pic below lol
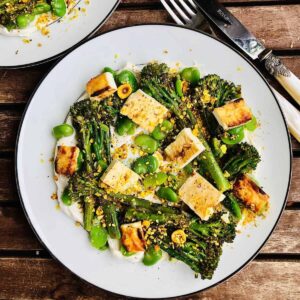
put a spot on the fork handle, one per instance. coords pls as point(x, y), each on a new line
point(284, 76)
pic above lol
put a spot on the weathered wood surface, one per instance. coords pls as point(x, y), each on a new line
point(16, 233)
point(47, 279)
point(280, 35)
point(8, 187)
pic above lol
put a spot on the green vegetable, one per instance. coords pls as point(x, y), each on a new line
point(179, 87)
point(155, 179)
point(152, 255)
point(88, 213)
point(161, 130)
point(59, 7)
point(188, 169)
point(215, 91)
point(125, 252)
point(65, 198)
point(111, 220)
point(231, 203)
point(98, 236)
point(208, 161)
point(24, 20)
point(63, 130)
point(147, 143)
point(145, 164)
point(79, 160)
point(251, 125)
point(191, 75)
point(41, 8)
point(127, 76)
point(167, 194)
point(218, 148)
point(233, 136)
point(125, 126)
point(240, 159)
point(109, 70)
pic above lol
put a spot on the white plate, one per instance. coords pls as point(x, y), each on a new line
point(48, 107)
point(19, 52)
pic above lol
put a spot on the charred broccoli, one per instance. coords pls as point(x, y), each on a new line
point(215, 91)
point(240, 159)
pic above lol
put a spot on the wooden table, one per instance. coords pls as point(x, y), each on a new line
point(26, 269)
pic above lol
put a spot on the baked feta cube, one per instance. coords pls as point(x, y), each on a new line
point(133, 237)
point(185, 148)
point(233, 114)
point(101, 86)
point(144, 110)
point(251, 194)
point(120, 177)
point(66, 160)
point(200, 195)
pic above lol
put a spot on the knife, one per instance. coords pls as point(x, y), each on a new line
point(219, 16)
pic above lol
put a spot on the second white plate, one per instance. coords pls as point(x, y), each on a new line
point(19, 52)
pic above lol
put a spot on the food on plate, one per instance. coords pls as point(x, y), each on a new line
point(157, 163)
point(22, 17)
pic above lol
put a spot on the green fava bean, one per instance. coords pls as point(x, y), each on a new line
point(251, 125)
point(168, 194)
point(161, 130)
point(233, 136)
point(98, 236)
point(41, 8)
point(155, 179)
point(152, 255)
point(191, 75)
point(126, 76)
point(24, 20)
point(59, 7)
point(146, 142)
point(125, 126)
point(109, 70)
point(62, 130)
point(65, 198)
point(145, 164)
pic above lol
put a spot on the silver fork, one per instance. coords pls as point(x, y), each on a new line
point(186, 13)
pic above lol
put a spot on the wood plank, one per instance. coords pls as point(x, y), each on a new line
point(279, 35)
point(7, 180)
point(16, 233)
point(9, 123)
point(8, 188)
point(47, 279)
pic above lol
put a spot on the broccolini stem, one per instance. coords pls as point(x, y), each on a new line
point(88, 212)
point(111, 220)
point(133, 214)
point(208, 161)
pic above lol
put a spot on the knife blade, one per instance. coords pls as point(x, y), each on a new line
point(231, 27)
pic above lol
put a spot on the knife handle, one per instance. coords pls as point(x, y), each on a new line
point(292, 115)
point(284, 76)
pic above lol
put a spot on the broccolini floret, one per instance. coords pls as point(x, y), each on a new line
point(240, 159)
point(214, 91)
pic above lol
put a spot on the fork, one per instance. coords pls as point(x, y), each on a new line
point(186, 13)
